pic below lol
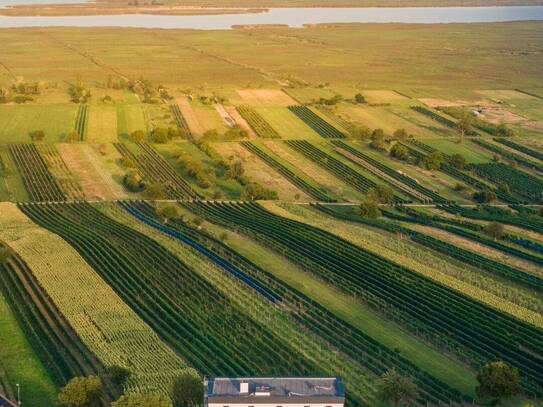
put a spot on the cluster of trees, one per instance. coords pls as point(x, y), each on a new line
point(254, 191)
point(194, 169)
point(79, 93)
point(381, 194)
point(21, 92)
point(161, 135)
point(186, 391)
point(235, 132)
point(334, 100)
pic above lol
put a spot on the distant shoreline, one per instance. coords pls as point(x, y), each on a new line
point(224, 7)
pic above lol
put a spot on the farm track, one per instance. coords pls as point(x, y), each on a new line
point(287, 173)
point(180, 120)
point(155, 169)
point(81, 121)
point(317, 123)
point(419, 303)
point(302, 310)
point(38, 180)
point(405, 183)
point(147, 276)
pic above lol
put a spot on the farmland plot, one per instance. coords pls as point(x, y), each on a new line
point(285, 123)
point(114, 333)
point(56, 165)
point(130, 118)
point(102, 124)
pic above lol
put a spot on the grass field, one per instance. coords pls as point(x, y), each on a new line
point(130, 118)
point(286, 123)
point(17, 121)
point(102, 124)
point(20, 363)
point(471, 152)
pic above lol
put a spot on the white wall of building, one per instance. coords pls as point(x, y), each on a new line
point(274, 405)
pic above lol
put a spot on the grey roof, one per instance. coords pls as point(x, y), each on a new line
point(280, 389)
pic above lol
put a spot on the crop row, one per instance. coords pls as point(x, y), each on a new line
point(458, 174)
point(180, 119)
point(287, 173)
point(439, 118)
point(520, 147)
point(510, 155)
point(51, 337)
point(38, 180)
point(418, 302)
point(109, 328)
point(317, 123)
point(331, 164)
point(414, 216)
point(494, 214)
point(60, 171)
point(260, 126)
point(303, 311)
point(207, 329)
point(518, 181)
point(422, 194)
point(81, 120)
point(338, 120)
point(155, 169)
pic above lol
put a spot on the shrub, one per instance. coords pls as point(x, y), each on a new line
point(369, 209)
point(118, 375)
point(433, 160)
point(254, 191)
point(81, 391)
point(154, 191)
point(400, 134)
point(378, 140)
point(400, 152)
point(137, 136)
point(160, 135)
point(37, 135)
point(133, 182)
point(187, 390)
point(361, 132)
point(485, 196)
point(495, 230)
point(381, 194)
point(497, 381)
point(457, 161)
point(359, 98)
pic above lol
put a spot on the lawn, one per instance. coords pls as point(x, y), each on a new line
point(286, 123)
point(20, 363)
point(130, 118)
point(17, 121)
point(102, 124)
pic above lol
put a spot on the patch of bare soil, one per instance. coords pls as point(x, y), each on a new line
point(498, 115)
point(266, 97)
point(190, 116)
point(95, 181)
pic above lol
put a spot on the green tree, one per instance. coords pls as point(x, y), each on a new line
point(433, 160)
point(382, 194)
point(393, 387)
point(399, 151)
point(486, 196)
point(378, 140)
point(369, 209)
point(254, 191)
point(457, 161)
point(495, 230)
point(142, 400)
point(503, 131)
point(400, 134)
point(359, 98)
point(154, 190)
point(497, 381)
point(160, 135)
point(118, 375)
point(463, 126)
point(81, 392)
point(137, 136)
point(187, 390)
point(167, 212)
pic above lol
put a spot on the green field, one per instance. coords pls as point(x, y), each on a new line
point(130, 118)
point(17, 121)
point(286, 123)
point(20, 363)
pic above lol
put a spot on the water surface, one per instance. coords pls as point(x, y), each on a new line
point(294, 17)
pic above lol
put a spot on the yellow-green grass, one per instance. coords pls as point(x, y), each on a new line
point(130, 118)
point(471, 152)
point(229, 188)
point(496, 293)
point(102, 124)
point(297, 160)
point(157, 116)
point(440, 182)
point(21, 365)
point(108, 327)
point(11, 184)
point(286, 123)
point(351, 310)
point(309, 94)
point(382, 117)
point(260, 310)
point(383, 96)
point(431, 127)
point(208, 116)
point(17, 121)
point(376, 56)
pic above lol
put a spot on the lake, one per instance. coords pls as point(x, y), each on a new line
point(294, 17)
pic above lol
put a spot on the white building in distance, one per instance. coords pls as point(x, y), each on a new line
point(274, 392)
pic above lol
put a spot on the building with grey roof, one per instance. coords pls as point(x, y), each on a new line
point(274, 392)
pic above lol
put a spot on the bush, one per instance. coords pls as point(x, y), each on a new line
point(133, 182)
point(378, 140)
point(433, 160)
point(361, 132)
point(118, 375)
point(359, 98)
point(381, 194)
point(210, 135)
point(160, 135)
point(457, 161)
point(72, 136)
point(400, 134)
point(154, 191)
point(400, 152)
point(137, 136)
point(495, 230)
point(497, 381)
point(254, 191)
point(369, 209)
point(81, 392)
point(485, 196)
point(236, 132)
point(37, 135)
point(168, 212)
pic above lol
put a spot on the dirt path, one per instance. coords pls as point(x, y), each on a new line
point(96, 182)
point(234, 114)
point(190, 116)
